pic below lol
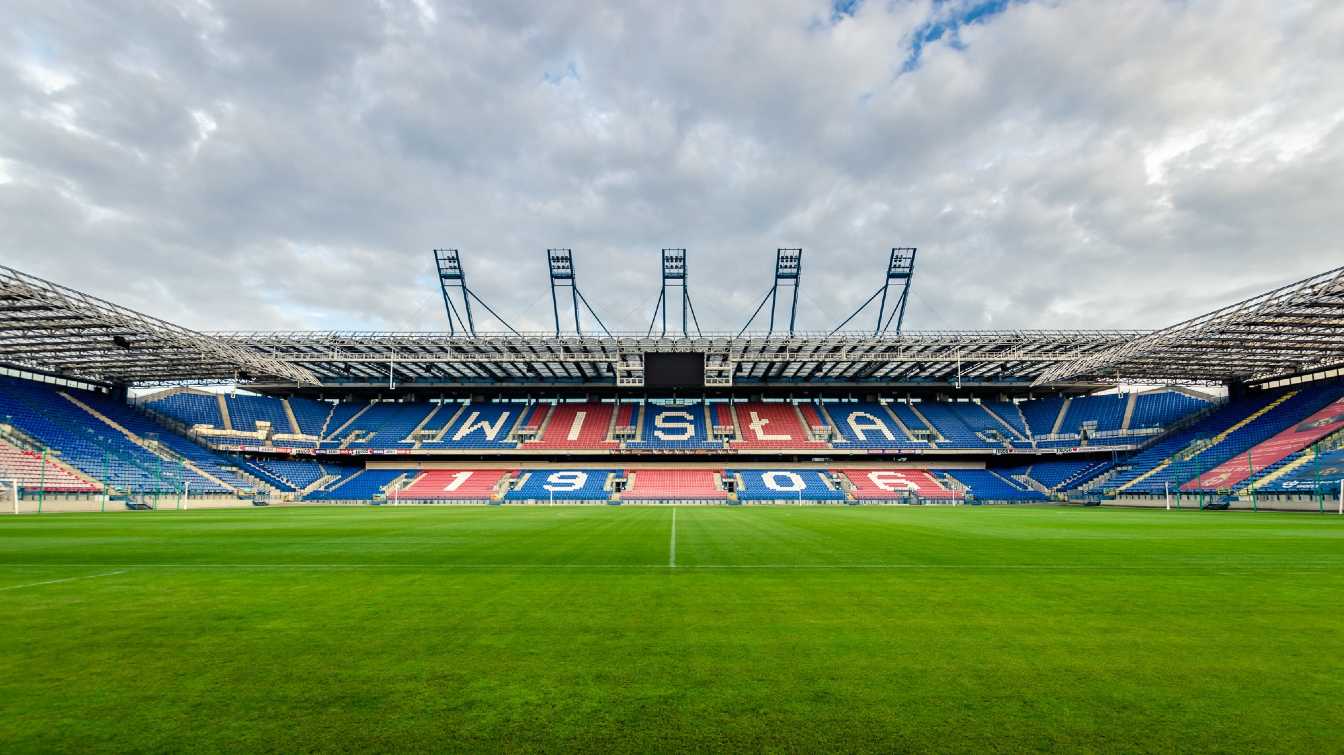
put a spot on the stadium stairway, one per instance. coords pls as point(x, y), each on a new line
point(1215, 440)
point(224, 411)
point(937, 434)
point(1059, 418)
point(414, 434)
point(1012, 432)
point(351, 420)
point(156, 449)
point(294, 428)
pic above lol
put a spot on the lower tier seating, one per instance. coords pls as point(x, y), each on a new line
point(453, 485)
point(673, 484)
point(894, 484)
point(785, 485)
point(562, 485)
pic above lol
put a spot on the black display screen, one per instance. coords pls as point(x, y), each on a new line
point(674, 370)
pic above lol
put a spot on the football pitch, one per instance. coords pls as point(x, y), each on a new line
point(670, 628)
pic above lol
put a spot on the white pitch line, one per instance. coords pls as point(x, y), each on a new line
point(67, 579)
point(672, 549)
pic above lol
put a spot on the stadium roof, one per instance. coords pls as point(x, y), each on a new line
point(51, 328)
point(914, 359)
point(1291, 330)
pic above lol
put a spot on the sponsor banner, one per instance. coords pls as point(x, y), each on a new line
point(1281, 446)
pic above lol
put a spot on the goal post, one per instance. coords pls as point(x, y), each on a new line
point(12, 485)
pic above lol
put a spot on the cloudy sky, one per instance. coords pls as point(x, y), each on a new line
point(270, 164)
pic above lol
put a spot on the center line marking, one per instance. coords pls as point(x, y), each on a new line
point(67, 579)
point(672, 549)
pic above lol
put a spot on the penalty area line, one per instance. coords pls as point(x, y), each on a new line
point(66, 579)
point(672, 547)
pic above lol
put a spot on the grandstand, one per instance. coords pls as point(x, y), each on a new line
point(99, 404)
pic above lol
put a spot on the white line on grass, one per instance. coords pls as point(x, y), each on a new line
point(411, 567)
point(672, 549)
point(67, 579)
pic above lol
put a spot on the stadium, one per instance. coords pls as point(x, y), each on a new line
point(812, 376)
point(1244, 414)
point(540, 487)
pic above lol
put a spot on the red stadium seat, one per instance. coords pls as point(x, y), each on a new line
point(567, 429)
point(674, 484)
point(454, 484)
point(885, 484)
point(764, 426)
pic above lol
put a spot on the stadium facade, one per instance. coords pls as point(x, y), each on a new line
point(672, 414)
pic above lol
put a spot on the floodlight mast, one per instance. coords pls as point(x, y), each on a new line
point(561, 264)
point(452, 276)
point(675, 275)
point(900, 274)
point(788, 273)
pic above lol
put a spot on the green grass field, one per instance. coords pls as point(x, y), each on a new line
point(783, 629)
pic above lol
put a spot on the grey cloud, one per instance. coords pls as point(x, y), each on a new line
point(290, 165)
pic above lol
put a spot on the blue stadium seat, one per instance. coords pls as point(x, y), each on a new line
point(868, 425)
point(986, 485)
point(675, 428)
point(785, 485)
point(562, 485)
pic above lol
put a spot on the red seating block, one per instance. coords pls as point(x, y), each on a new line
point(764, 425)
point(568, 430)
point(674, 484)
point(879, 484)
point(453, 484)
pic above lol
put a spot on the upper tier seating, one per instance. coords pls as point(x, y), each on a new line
point(1008, 412)
point(673, 485)
point(1041, 414)
point(986, 485)
point(892, 484)
point(245, 411)
point(27, 468)
point(785, 485)
point(627, 415)
point(951, 421)
point(340, 417)
point(535, 416)
point(1107, 411)
point(721, 415)
point(385, 425)
point(453, 485)
point(486, 425)
point(918, 428)
point(562, 485)
point(1162, 408)
point(577, 426)
point(868, 426)
point(191, 408)
point(771, 425)
point(674, 428)
point(310, 414)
